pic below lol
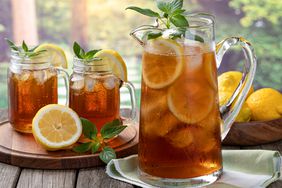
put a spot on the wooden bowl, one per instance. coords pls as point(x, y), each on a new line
point(254, 133)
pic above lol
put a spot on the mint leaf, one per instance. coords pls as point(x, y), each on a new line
point(152, 35)
point(112, 129)
point(76, 49)
point(90, 54)
point(169, 7)
point(32, 49)
point(146, 12)
point(199, 39)
point(12, 45)
point(24, 46)
point(176, 4)
point(89, 129)
point(95, 147)
point(179, 21)
point(107, 154)
point(83, 147)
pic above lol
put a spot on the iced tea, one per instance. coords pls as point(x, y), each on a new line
point(180, 120)
point(28, 91)
point(95, 97)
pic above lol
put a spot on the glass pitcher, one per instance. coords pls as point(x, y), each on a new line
point(95, 92)
point(181, 123)
point(32, 84)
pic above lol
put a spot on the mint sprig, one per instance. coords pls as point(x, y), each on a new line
point(80, 52)
point(171, 15)
point(23, 50)
point(98, 141)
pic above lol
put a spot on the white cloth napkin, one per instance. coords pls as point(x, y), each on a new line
point(241, 168)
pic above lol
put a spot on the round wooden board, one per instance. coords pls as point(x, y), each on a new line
point(21, 150)
point(254, 133)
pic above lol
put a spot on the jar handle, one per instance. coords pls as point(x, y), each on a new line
point(131, 90)
point(64, 74)
point(230, 110)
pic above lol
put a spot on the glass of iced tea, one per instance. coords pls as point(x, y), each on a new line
point(32, 84)
point(95, 92)
point(181, 123)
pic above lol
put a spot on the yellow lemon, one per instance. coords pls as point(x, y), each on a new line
point(115, 62)
point(56, 127)
point(228, 82)
point(245, 112)
point(56, 53)
point(265, 104)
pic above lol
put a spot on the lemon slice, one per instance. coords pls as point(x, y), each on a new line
point(115, 61)
point(192, 102)
point(56, 127)
point(57, 54)
point(162, 62)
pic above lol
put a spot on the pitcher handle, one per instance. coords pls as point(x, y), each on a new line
point(131, 90)
point(230, 110)
point(64, 74)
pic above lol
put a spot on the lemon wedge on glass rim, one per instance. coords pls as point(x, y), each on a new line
point(115, 62)
point(56, 127)
point(56, 53)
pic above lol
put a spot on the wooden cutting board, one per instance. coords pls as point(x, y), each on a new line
point(21, 150)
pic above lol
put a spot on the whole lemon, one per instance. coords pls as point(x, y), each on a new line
point(229, 81)
point(265, 104)
point(227, 84)
point(245, 112)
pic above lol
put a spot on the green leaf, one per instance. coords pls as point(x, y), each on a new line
point(199, 39)
point(88, 128)
point(83, 147)
point(112, 129)
point(179, 21)
point(178, 11)
point(76, 49)
point(91, 53)
point(32, 49)
point(176, 4)
point(12, 45)
point(169, 7)
point(107, 154)
point(24, 46)
point(154, 35)
point(146, 12)
point(164, 6)
point(95, 147)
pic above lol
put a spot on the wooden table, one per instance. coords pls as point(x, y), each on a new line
point(12, 176)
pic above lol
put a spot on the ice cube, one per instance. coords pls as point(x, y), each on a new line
point(90, 83)
point(23, 76)
point(41, 76)
point(194, 62)
point(77, 83)
point(110, 82)
point(181, 137)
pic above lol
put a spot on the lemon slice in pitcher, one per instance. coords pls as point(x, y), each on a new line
point(162, 62)
point(56, 127)
point(115, 62)
point(57, 54)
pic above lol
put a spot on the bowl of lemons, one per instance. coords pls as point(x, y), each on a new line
point(260, 118)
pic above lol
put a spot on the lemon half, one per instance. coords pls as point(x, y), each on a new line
point(56, 127)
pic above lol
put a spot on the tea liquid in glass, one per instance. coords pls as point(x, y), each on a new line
point(180, 121)
point(29, 91)
point(95, 97)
